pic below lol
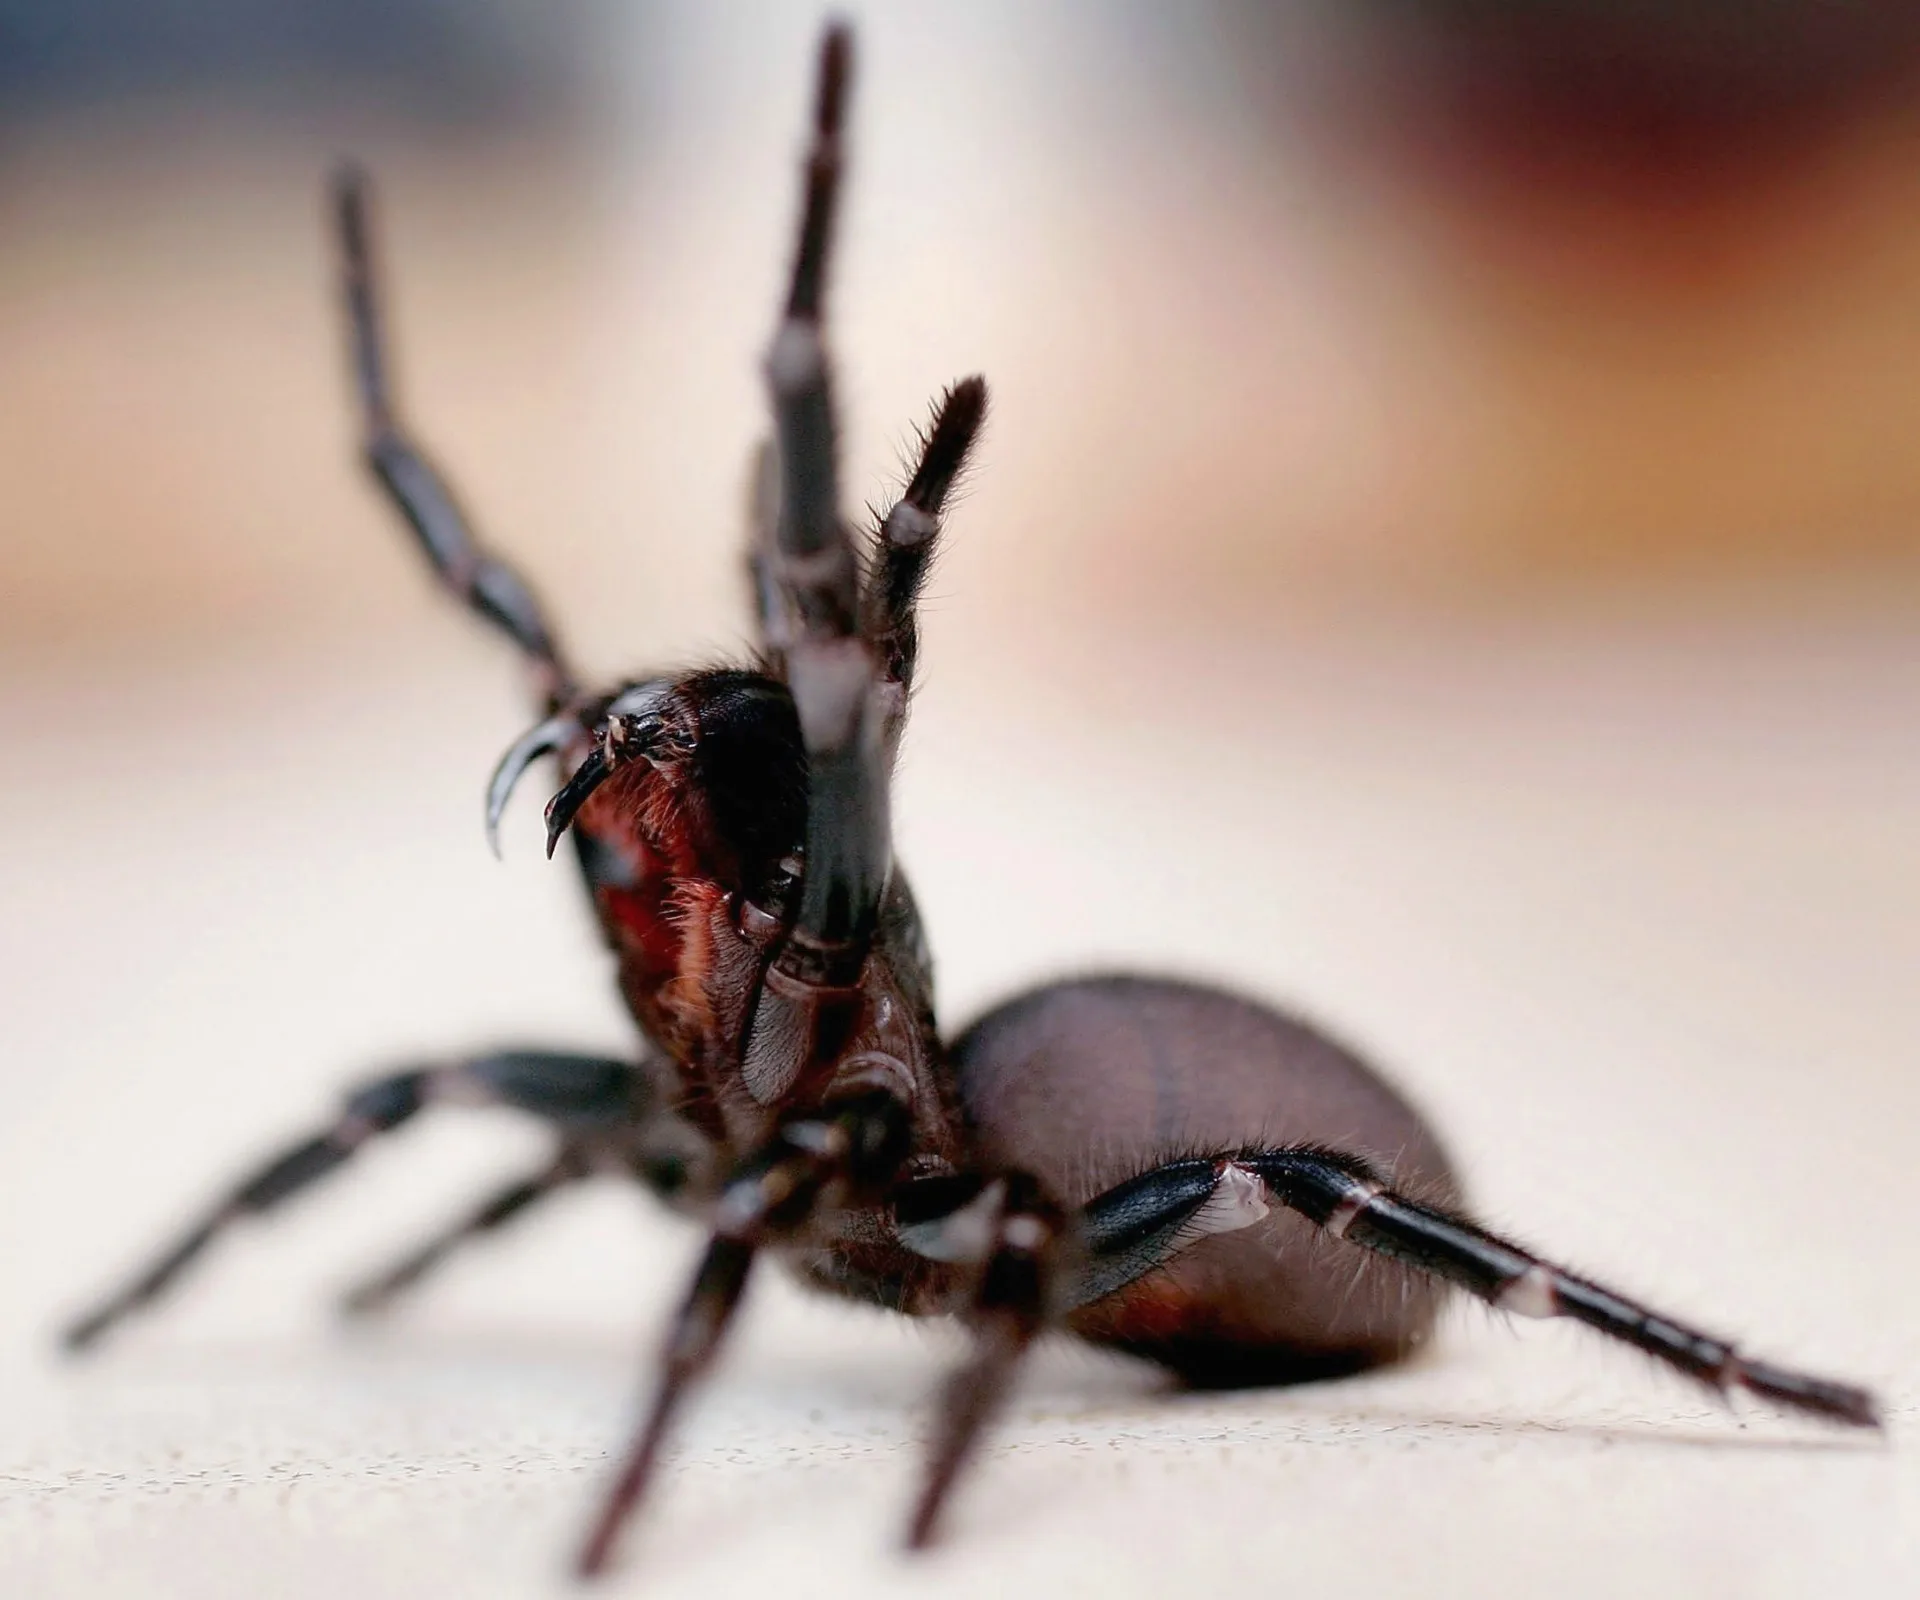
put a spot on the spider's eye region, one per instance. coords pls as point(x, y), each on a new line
point(751, 768)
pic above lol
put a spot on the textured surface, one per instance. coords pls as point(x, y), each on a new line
point(1632, 912)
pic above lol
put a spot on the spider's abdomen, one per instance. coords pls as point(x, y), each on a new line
point(1091, 1082)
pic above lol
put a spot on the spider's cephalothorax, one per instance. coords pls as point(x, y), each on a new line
point(1150, 1165)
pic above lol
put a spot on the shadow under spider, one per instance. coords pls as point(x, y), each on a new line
point(1074, 1388)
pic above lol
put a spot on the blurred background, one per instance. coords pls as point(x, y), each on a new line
point(1444, 555)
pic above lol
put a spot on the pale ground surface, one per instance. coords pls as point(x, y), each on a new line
point(1634, 911)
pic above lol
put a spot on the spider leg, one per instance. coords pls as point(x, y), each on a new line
point(666, 1154)
point(843, 1153)
point(1011, 1304)
point(378, 1291)
point(810, 985)
point(763, 527)
point(808, 520)
point(1146, 1221)
point(1141, 1224)
point(581, 1095)
point(485, 585)
point(908, 535)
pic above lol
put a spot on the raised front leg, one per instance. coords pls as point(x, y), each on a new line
point(487, 586)
point(813, 575)
point(908, 537)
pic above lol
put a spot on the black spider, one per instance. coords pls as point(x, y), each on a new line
point(1141, 1162)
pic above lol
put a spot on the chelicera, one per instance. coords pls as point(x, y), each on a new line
point(1149, 1165)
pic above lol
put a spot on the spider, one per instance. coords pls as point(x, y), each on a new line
point(1153, 1166)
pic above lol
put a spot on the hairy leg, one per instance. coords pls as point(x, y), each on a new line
point(909, 534)
point(1148, 1221)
